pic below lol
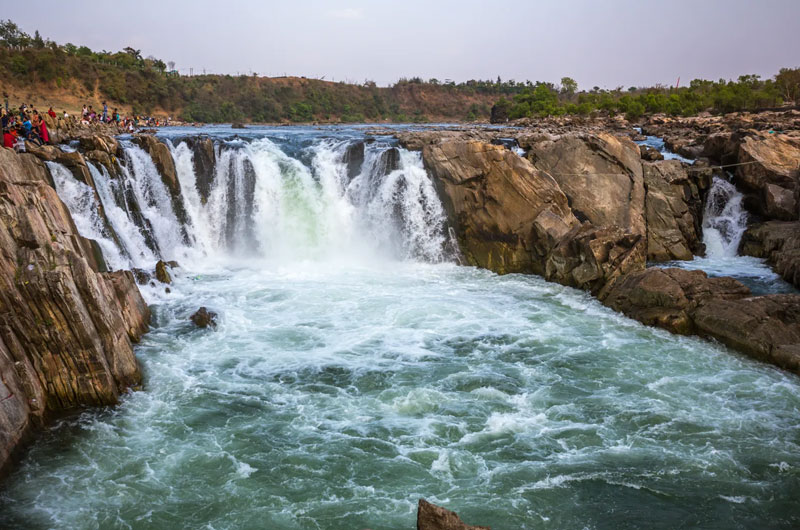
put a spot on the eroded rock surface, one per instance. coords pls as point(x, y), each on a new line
point(779, 243)
point(66, 329)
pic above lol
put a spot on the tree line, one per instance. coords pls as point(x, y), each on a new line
point(747, 93)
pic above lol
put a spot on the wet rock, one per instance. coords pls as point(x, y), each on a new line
point(601, 175)
point(204, 318)
point(779, 243)
point(650, 153)
point(99, 142)
point(162, 274)
point(141, 276)
point(65, 327)
point(354, 159)
point(673, 211)
point(432, 517)
point(689, 302)
point(205, 161)
point(238, 125)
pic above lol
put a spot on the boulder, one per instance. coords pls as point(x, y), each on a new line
point(99, 142)
point(354, 159)
point(204, 318)
point(689, 302)
point(432, 517)
point(162, 274)
point(650, 153)
point(601, 174)
point(673, 210)
point(66, 329)
point(507, 215)
point(779, 243)
point(769, 170)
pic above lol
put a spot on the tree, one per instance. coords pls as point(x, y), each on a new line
point(136, 54)
point(788, 82)
point(568, 86)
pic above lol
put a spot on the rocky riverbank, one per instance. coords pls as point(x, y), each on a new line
point(589, 209)
point(67, 325)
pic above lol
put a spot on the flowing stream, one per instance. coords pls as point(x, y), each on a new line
point(356, 368)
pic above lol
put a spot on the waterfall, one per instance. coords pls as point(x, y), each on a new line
point(82, 203)
point(326, 199)
point(724, 219)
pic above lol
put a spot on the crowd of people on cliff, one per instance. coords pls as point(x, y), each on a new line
point(27, 124)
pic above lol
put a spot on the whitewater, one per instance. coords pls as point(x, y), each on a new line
point(357, 367)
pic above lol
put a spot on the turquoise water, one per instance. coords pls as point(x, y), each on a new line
point(333, 395)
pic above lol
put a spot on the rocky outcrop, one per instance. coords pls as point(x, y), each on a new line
point(770, 171)
point(673, 212)
point(205, 160)
point(66, 329)
point(511, 217)
point(600, 174)
point(779, 243)
point(432, 517)
point(162, 273)
point(507, 214)
point(689, 302)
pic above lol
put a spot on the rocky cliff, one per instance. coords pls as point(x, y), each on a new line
point(66, 325)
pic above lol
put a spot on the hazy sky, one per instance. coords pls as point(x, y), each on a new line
point(597, 42)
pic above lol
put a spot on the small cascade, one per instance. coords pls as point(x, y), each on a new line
point(724, 219)
point(331, 199)
point(82, 203)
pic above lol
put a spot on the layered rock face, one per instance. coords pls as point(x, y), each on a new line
point(510, 216)
point(779, 243)
point(673, 212)
point(432, 517)
point(689, 302)
point(600, 174)
point(66, 329)
point(770, 171)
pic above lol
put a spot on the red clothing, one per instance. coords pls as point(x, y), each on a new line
point(52, 113)
point(43, 134)
point(8, 140)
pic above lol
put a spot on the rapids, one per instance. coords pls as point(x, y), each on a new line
point(357, 368)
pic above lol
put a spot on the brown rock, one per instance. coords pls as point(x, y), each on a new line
point(506, 214)
point(673, 210)
point(432, 517)
point(689, 302)
point(779, 243)
point(601, 175)
point(204, 161)
point(204, 318)
point(650, 153)
point(65, 328)
point(162, 274)
point(770, 159)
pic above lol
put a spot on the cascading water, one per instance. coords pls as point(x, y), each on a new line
point(82, 203)
point(338, 388)
point(724, 219)
point(724, 223)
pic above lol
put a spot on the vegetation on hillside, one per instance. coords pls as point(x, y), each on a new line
point(147, 84)
point(749, 92)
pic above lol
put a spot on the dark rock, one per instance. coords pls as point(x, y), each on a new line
point(141, 276)
point(205, 161)
point(354, 159)
point(432, 517)
point(204, 318)
point(779, 243)
point(238, 125)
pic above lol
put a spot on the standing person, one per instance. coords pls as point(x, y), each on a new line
point(52, 113)
point(105, 112)
point(44, 134)
point(85, 111)
point(4, 118)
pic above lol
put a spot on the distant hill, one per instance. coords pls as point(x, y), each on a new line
point(42, 72)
